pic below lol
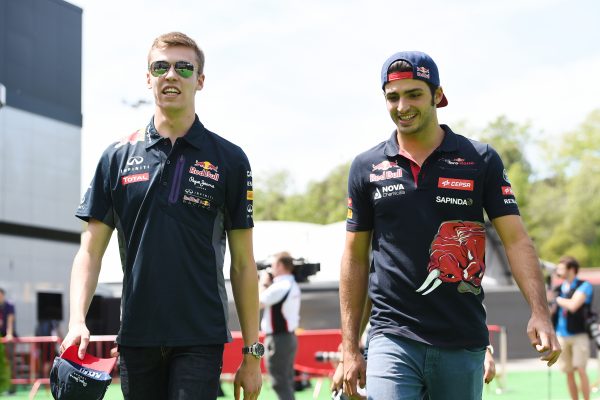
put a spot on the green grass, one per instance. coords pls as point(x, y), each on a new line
point(525, 385)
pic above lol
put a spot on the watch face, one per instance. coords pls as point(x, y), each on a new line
point(259, 349)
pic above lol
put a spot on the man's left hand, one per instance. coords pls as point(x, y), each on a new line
point(248, 378)
point(489, 367)
point(543, 338)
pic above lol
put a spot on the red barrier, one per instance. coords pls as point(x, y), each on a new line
point(309, 343)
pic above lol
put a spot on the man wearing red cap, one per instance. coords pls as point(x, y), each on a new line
point(415, 205)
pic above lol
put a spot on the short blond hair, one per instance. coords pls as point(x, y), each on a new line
point(173, 39)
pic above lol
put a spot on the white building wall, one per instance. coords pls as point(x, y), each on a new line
point(39, 187)
point(39, 170)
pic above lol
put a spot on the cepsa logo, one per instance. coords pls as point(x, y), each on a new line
point(507, 191)
point(456, 184)
point(126, 180)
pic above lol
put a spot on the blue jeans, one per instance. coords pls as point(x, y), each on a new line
point(173, 373)
point(400, 368)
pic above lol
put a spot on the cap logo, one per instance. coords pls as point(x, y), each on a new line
point(423, 72)
point(394, 76)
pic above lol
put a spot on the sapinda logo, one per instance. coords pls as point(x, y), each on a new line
point(456, 184)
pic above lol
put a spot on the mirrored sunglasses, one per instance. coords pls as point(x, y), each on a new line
point(183, 68)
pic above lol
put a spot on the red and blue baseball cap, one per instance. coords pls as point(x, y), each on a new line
point(75, 379)
point(423, 69)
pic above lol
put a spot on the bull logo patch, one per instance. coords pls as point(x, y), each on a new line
point(456, 255)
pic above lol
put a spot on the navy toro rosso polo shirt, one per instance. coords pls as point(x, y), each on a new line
point(171, 206)
point(428, 242)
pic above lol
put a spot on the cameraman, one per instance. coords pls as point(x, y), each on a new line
point(279, 295)
point(570, 304)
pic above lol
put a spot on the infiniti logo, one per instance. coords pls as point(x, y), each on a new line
point(135, 160)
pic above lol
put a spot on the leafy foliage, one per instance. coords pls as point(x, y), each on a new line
point(4, 370)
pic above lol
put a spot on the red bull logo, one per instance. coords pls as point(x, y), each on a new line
point(204, 172)
point(456, 255)
point(384, 165)
point(207, 165)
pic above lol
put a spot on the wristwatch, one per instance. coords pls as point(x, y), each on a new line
point(256, 349)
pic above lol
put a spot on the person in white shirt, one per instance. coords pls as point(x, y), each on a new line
point(280, 298)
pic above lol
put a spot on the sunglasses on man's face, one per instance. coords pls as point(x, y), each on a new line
point(183, 68)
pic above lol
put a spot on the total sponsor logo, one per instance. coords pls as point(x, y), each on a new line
point(389, 190)
point(126, 180)
point(507, 191)
point(456, 184)
point(457, 201)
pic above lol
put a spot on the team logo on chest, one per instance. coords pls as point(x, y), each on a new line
point(456, 255)
point(208, 170)
point(389, 170)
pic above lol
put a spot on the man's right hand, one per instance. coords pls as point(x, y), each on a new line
point(78, 335)
point(355, 372)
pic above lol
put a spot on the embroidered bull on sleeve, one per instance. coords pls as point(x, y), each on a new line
point(456, 255)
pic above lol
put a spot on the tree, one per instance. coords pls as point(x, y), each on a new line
point(571, 205)
point(323, 202)
point(270, 195)
point(510, 140)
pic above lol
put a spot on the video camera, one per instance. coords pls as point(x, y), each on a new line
point(302, 269)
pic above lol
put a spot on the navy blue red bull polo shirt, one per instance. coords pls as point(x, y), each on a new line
point(428, 242)
point(171, 206)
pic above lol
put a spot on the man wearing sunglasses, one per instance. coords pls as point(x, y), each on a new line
point(174, 191)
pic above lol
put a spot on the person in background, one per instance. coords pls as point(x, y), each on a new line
point(280, 298)
point(570, 304)
point(8, 331)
